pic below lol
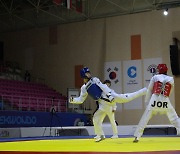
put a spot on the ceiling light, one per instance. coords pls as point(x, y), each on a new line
point(165, 12)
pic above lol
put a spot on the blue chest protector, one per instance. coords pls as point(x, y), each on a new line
point(93, 90)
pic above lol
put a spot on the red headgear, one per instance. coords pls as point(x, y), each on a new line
point(162, 68)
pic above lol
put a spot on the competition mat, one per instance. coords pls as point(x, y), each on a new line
point(122, 145)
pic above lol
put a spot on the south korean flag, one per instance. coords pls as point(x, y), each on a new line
point(112, 72)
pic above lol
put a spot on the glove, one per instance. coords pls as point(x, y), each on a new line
point(113, 110)
point(71, 100)
point(74, 101)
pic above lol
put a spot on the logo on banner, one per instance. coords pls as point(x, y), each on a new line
point(131, 72)
point(113, 74)
point(152, 69)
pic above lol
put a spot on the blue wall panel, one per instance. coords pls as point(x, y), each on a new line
point(10, 119)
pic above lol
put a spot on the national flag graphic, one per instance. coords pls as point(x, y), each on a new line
point(112, 72)
point(68, 4)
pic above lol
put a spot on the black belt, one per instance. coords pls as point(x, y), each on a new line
point(105, 99)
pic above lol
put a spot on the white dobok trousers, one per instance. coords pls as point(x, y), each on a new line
point(158, 104)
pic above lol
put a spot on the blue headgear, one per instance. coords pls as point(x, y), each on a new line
point(84, 71)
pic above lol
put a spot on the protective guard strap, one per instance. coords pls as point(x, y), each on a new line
point(162, 88)
point(105, 99)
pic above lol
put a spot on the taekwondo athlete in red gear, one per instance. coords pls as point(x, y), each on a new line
point(159, 89)
point(107, 109)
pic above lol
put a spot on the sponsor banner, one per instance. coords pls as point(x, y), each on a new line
point(10, 119)
point(113, 72)
point(132, 81)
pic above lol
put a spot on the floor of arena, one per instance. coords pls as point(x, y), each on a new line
point(87, 145)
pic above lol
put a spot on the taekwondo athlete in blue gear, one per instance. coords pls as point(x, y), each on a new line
point(101, 92)
point(92, 86)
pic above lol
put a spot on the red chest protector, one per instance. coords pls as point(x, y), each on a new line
point(162, 88)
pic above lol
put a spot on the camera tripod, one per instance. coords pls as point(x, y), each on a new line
point(53, 115)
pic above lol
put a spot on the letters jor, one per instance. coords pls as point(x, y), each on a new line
point(160, 104)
